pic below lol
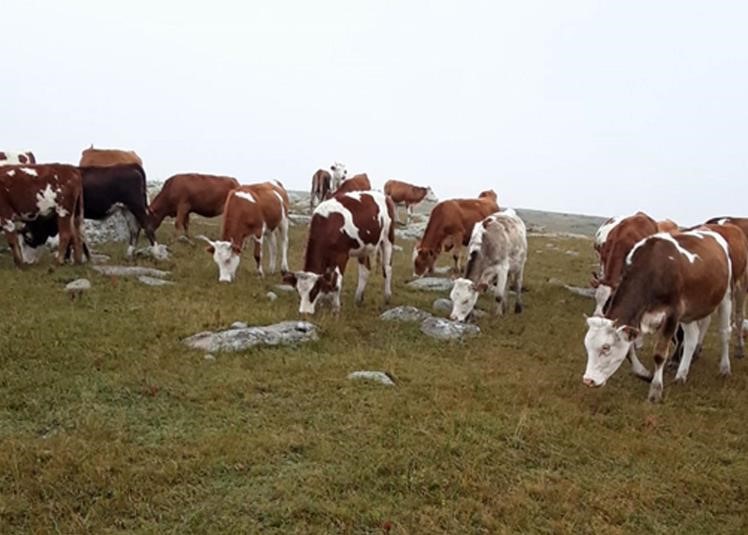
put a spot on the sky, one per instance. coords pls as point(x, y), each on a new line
point(594, 107)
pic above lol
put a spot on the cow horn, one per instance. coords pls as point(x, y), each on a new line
point(204, 238)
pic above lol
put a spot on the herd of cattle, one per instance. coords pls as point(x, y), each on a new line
point(654, 277)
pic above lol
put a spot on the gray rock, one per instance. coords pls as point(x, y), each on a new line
point(112, 229)
point(378, 377)
point(411, 232)
point(239, 325)
point(299, 219)
point(442, 270)
point(130, 271)
point(152, 281)
point(431, 284)
point(588, 293)
point(443, 329)
point(284, 333)
point(397, 248)
point(99, 258)
point(272, 296)
point(442, 305)
point(78, 285)
point(158, 251)
point(284, 288)
point(209, 357)
point(404, 313)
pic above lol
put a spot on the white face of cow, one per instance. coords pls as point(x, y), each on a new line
point(464, 295)
point(607, 347)
point(430, 196)
point(339, 172)
point(312, 287)
point(226, 256)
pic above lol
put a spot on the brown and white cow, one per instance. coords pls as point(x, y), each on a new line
point(28, 192)
point(92, 157)
point(449, 228)
point(186, 193)
point(358, 182)
point(668, 280)
point(251, 212)
point(740, 222)
point(408, 195)
point(325, 182)
point(16, 158)
point(355, 224)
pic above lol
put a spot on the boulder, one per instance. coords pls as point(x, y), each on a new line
point(431, 284)
point(272, 296)
point(130, 271)
point(404, 313)
point(153, 281)
point(443, 329)
point(378, 377)
point(299, 219)
point(284, 288)
point(284, 333)
point(112, 229)
point(78, 285)
point(442, 305)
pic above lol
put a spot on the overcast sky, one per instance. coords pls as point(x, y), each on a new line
point(596, 107)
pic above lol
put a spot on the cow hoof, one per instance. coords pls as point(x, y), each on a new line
point(655, 393)
point(739, 353)
point(519, 308)
point(681, 379)
point(725, 371)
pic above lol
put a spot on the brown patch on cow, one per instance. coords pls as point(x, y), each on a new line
point(619, 243)
point(3, 156)
point(22, 158)
point(355, 183)
point(107, 157)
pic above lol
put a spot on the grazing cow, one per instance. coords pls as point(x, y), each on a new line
point(408, 195)
point(497, 254)
point(449, 228)
point(740, 222)
point(324, 182)
point(184, 194)
point(354, 224)
point(668, 280)
point(251, 212)
point(613, 241)
point(28, 192)
point(358, 182)
point(13, 158)
point(92, 157)
point(106, 190)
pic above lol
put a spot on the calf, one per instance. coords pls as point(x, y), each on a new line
point(350, 225)
point(251, 212)
point(39, 191)
point(324, 182)
point(497, 254)
point(184, 194)
point(407, 195)
point(355, 183)
point(668, 280)
point(449, 227)
point(13, 158)
point(92, 157)
point(106, 190)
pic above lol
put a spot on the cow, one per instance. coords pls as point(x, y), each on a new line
point(28, 192)
point(408, 195)
point(613, 241)
point(251, 212)
point(92, 157)
point(496, 255)
point(13, 158)
point(353, 224)
point(184, 194)
point(324, 182)
point(358, 182)
point(105, 191)
point(449, 228)
point(740, 222)
point(669, 280)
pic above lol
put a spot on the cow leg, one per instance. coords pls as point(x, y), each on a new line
point(75, 231)
point(502, 276)
point(364, 267)
point(703, 328)
point(65, 232)
point(258, 254)
point(637, 368)
point(408, 213)
point(519, 277)
point(725, 316)
point(284, 243)
point(181, 221)
point(690, 341)
point(602, 294)
point(15, 247)
point(739, 314)
point(661, 353)
point(386, 250)
point(272, 249)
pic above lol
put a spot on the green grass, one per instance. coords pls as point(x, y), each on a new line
point(109, 424)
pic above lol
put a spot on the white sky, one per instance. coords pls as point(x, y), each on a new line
point(600, 107)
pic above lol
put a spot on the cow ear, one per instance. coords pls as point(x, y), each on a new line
point(237, 249)
point(289, 278)
point(210, 249)
point(481, 287)
point(628, 333)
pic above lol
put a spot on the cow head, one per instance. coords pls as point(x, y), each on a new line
point(314, 286)
point(607, 346)
point(339, 173)
point(423, 260)
point(226, 255)
point(464, 295)
point(430, 196)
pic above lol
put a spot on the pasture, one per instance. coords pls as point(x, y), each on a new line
point(109, 424)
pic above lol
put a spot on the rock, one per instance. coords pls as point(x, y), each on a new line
point(285, 288)
point(130, 271)
point(378, 377)
point(284, 333)
point(113, 228)
point(272, 296)
point(99, 258)
point(442, 305)
point(299, 219)
point(152, 281)
point(239, 325)
point(431, 284)
point(209, 357)
point(442, 270)
point(582, 292)
point(404, 313)
point(572, 253)
point(443, 329)
point(78, 285)
point(398, 248)
point(414, 231)
point(158, 252)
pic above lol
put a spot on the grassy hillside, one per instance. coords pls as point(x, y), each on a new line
point(109, 424)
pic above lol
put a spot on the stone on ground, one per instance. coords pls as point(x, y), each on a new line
point(378, 377)
point(130, 271)
point(284, 333)
point(78, 285)
point(431, 284)
point(153, 281)
point(443, 329)
point(405, 313)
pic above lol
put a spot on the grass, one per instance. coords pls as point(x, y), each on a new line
point(109, 424)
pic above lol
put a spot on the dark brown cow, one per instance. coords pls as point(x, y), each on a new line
point(14, 158)
point(251, 212)
point(186, 193)
point(355, 224)
point(324, 183)
point(92, 157)
point(668, 280)
point(449, 227)
point(28, 192)
point(355, 183)
point(613, 242)
point(407, 194)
